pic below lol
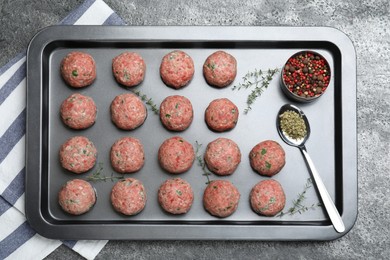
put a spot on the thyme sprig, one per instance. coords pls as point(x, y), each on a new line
point(201, 163)
point(148, 101)
point(99, 176)
point(258, 79)
point(298, 206)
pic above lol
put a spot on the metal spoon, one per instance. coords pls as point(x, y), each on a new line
point(326, 199)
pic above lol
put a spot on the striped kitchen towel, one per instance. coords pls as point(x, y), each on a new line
point(17, 239)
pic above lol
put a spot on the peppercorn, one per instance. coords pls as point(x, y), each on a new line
point(306, 74)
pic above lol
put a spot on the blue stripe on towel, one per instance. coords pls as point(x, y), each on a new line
point(12, 83)
point(77, 13)
point(15, 189)
point(114, 19)
point(4, 206)
point(12, 62)
point(12, 136)
point(16, 239)
point(69, 243)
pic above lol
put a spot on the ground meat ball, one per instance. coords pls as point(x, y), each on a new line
point(267, 198)
point(128, 111)
point(129, 69)
point(222, 156)
point(176, 196)
point(267, 158)
point(78, 154)
point(220, 69)
point(177, 69)
point(221, 115)
point(128, 196)
point(176, 113)
point(77, 197)
point(78, 111)
point(127, 155)
point(176, 155)
point(78, 69)
point(221, 198)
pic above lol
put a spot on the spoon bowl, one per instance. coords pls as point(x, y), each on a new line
point(287, 139)
point(331, 209)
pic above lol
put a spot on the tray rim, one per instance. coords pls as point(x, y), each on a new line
point(189, 33)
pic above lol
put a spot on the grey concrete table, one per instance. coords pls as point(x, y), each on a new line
point(365, 22)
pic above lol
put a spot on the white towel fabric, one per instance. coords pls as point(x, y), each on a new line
point(17, 239)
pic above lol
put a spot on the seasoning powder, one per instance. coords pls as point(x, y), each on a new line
point(293, 125)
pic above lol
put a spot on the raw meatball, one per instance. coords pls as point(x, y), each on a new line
point(222, 156)
point(176, 196)
point(128, 196)
point(78, 111)
point(267, 198)
point(128, 111)
point(177, 69)
point(267, 158)
point(127, 155)
point(77, 197)
point(78, 69)
point(176, 113)
point(220, 69)
point(78, 154)
point(221, 115)
point(221, 198)
point(176, 155)
point(129, 69)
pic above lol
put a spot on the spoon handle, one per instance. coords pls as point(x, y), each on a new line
point(325, 197)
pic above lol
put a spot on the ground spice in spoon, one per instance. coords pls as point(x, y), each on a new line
point(293, 125)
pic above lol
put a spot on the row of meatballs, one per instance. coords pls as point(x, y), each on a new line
point(175, 196)
point(175, 155)
point(78, 69)
point(129, 112)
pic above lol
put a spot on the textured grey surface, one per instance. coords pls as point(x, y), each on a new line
point(365, 22)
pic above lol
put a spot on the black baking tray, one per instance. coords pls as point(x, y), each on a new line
point(332, 143)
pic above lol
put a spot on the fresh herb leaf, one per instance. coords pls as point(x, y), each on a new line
point(126, 75)
point(179, 192)
point(263, 151)
point(211, 66)
point(257, 79)
point(75, 73)
point(271, 201)
point(201, 163)
point(267, 165)
point(298, 206)
point(167, 115)
point(99, 176)
point(148, 101)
